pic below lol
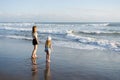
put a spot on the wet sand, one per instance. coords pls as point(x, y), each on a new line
point(66, 63)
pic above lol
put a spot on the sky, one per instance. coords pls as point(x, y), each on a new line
point(60, 10)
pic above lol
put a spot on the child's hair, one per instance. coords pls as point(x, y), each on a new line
point(48, 41)
point(34, 29)
point(49, 38)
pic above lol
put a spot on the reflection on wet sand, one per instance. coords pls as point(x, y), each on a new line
point(34, 69)
point(47, 73)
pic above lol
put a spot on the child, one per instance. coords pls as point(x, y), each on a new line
point(35, 41)
point(48, 47)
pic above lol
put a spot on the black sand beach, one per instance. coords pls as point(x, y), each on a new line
point(66, 63)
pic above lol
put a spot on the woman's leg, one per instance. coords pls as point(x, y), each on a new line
point(32, 56)
point(36, 47)
point(34, 51)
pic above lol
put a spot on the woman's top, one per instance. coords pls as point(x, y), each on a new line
point(35, 35)
point(35, 38)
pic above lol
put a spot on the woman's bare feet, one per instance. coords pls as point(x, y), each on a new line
point(48, 61)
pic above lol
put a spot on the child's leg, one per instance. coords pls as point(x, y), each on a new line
point(48, 57)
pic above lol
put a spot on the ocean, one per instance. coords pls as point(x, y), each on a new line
point(78, 35)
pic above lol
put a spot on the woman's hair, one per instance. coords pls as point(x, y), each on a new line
point(34, 29)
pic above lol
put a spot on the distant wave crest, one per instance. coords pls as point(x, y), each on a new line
point(114, 24)
point(98, 32)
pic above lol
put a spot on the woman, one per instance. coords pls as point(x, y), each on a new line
point(35, 41)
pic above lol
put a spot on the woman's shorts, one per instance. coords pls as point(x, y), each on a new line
point(48, 50)
point(34, 42)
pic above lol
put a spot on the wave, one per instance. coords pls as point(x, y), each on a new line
point(96, 24)
point(43, 31)
point(63, 32)
point(15, 28)
point(56, 31)
point(97, 42)
point(114, 24)
point(16, 37)
point(98, 32)
point(16, 24)
point(78, 23)
point(77, 42)
point(60, 23)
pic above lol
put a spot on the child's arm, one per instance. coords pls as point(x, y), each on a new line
point(51, 47)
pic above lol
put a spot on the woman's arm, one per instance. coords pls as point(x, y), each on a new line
point(36, 37)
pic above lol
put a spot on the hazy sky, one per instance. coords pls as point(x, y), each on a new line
point(60, 10)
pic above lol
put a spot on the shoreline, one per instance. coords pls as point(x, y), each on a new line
point(66, 63)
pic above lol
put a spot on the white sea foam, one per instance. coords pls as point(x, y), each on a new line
point(97, 42)
point(96, 24)
point(17, 24)
point(52, 31)
point(17, 37)
point(15, 28)
point(98, 32)
point(75, 45)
